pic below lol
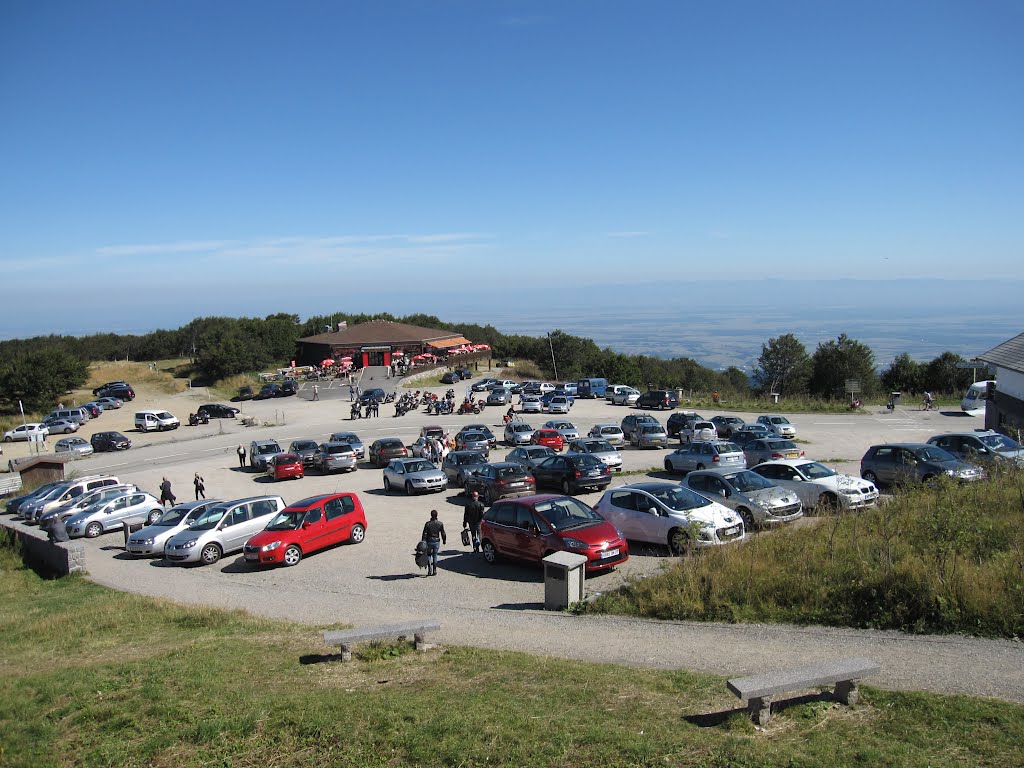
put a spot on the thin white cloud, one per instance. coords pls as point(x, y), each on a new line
point(628, 233)
point(181, 246)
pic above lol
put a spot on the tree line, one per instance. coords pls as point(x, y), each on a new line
point(39, 370)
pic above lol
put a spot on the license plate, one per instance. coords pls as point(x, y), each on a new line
point(251, 556)
point(610, 553)
point(792, 456)
point(732, 531)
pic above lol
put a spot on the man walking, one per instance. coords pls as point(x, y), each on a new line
point(166, 497)
point(200, 487)
point(471, 518)
point(351, 390)
point(434, 536)
point(316, 392)
point(241, 456)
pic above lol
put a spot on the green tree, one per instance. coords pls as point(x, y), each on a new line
point(783, 366)
point(903, 375)
point(39, 378)
point(942, 375)
point(835, 362)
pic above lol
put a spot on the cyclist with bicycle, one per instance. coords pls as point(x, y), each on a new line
point(929, 401)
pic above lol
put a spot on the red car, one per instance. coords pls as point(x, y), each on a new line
point(306, 526)
point(533, 527)
point(550, 438)
point(285, 466)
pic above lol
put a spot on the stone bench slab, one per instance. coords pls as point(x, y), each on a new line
point(346, 638)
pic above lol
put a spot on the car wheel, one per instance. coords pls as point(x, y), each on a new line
point(68, 430)
point(567, 488)
point(490, 553)
point(357, 535)
point(828, 503)
point(668, 466)
point(679, 542)
point(387, 485)
point(485, 497)
point(93, 530)
point(746, 517)
point(292, 555)
point(211, 554)
point(154, 515)
point(408, 488)
point(7, 438)
point(871, 477)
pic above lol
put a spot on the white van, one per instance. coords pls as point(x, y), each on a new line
point(158, 420)
point(974, 401)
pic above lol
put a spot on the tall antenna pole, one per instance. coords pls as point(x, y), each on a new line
point(553, 364)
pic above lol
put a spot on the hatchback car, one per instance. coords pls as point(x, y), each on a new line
point(61, 426)
point(86, 501)
point(557, 404)
point(901, 463)
point(670, 515)
point(414, 476)
point(31, 431)
point(573, 473)
point(726, 425)
point(110, 403)
point(286, 466)
point(458, 464)
point(109, 441)
point(352, 439)
point(111, 385)
point(658, 398)
point(288, 388)
point(473, 441)
point(625, 396)
point(217, 411)
point(566, 429)
point(598, 448)
point(268, 391)
point(450, 378)
point(307, 526)
point(550, 438)
point(261, 452)
point(529, 455)
point(149, 542)
point(771, 448)
point(383, 450)
point(122, 392)
point(500, 480)
point(532, 527)
point(221, 530)
point(714, 454)
point(75, 447)
point(610, 432)
point(331, 457)
point(499, 396)
point(484, 384)
point(306, 450)
point(518, 433)
point(374, 395)
point(112, 513)
point(630, 423)
point(778, 425)
point(530, 404)
point(818, 486)
point(492, 440)
point(649, 436)
point(244, 393)
point(981, 446)
point(743, 436)
point(757, 500)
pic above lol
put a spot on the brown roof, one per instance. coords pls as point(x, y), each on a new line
point(382, 332)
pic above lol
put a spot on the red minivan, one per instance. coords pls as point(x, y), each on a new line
point(306, 526)
point(532, 527)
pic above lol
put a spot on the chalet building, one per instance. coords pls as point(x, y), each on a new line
point(380, 342)
point(1005, 409)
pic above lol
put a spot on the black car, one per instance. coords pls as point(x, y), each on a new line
point(289, 387)
point(372, 395)
point(109, 441)
point(572, 473)
point(496, 481)
point(268, 391)
point(245, 393)
point(450, 378)
point(464, 373)
point(120, 391)
point(658, 398)
point(679, 421)
point(109, 385)
point(217, 411)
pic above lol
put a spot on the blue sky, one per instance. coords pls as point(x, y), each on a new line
point(192, 158)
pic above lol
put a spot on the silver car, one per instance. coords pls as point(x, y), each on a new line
point(352, 439)
point(222, 529)
point(625, 396)
point(610, 432)
point(109, 403)
point(518, 433)
point(473, 441)
point(778, 425)
point(530, 404)
point(649, 436)
point(566, 429)
point(771, 448)
point(85, 501)
point(331, 457)
point(110, 514)
point(414, 475)
point(600, 449)
point(499, 396)
point(558, 404)
point(458, 464)
point(75, 447)
point(757, 500)
point(712, 454)
point(62, 426)
point(149, 542)
point(304, 449)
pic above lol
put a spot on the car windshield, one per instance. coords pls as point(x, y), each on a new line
point(517, 427)
point(1000, 443)
point(933, 453)
point(418, 466)
point(472, 458)
point(598, 446)
point(507, 472)
point(272, 448)
point(679, 499)
point(779, 420)
point(286, 520)
point(304, 445)
point(777, 444)
point(209, 519)
point(816, 471)
point(649, 428)
point(286, 458)
point(745, 482)
point(334, 449)
point(471, 437)
point(566, 513)
point(171, 517)
point(391, 444)
point(610, 430)
point(586, 460)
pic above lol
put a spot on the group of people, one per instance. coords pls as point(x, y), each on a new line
point(167, 497)
point(436, 448)
point(372, 409)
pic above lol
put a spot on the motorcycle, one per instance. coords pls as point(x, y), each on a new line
point(195, 419)
point(468, 407)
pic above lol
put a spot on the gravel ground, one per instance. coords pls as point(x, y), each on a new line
point(500, 606)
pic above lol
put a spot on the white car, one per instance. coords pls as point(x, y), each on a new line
point(149, 542)
point(31, 431)
point(625, 396)
point(558, 404)
point(778, 425)
point(599, 448)
point(518, 433)
point(670, 515)
point(610, 432)
point(818, 486)
point(566, 429)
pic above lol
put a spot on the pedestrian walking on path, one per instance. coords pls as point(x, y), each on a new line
point(200, 487)
point(316, 392)
point(166, 496)
point(434, 535)
point(351, 391)
point(471, 519)
point(241, 456)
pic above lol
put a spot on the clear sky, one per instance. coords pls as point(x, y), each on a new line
point(164, 160)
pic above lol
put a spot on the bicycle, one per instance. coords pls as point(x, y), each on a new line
point(929, 405)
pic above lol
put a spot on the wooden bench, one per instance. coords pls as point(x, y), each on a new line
point(758, 690)
point(346, 638)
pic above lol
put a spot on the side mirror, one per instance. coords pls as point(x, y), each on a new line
point(305, 524)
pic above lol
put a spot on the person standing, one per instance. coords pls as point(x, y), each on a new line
point(200, 487)
point(351, 390)
point(316, 392)
point(166, 496)
point(434, 536)
point(471, 518)
point(241, 456)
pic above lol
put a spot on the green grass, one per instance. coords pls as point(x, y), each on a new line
point(99, 678)
point(943, 559)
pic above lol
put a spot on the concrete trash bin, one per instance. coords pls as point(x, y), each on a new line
point(131, 527)
point(564, 573)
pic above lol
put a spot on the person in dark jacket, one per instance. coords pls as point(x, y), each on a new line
point(434, 535)
point(200, 487)
point(471, 518)
point(56, 530)
point(166, 497)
